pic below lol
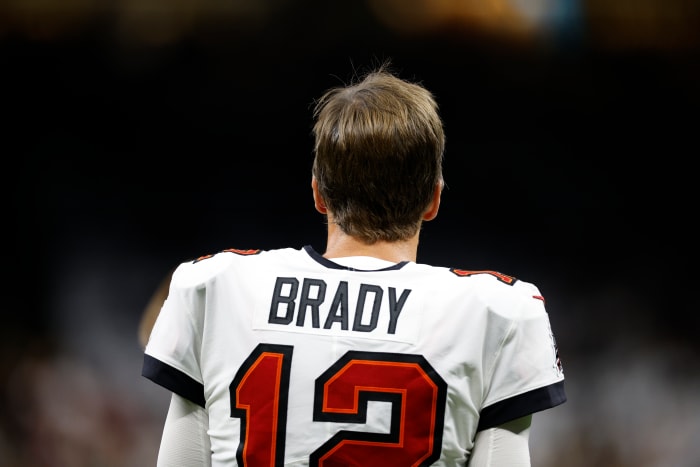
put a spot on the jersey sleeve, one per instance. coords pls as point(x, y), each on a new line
point(526, 375)
point(171, 356)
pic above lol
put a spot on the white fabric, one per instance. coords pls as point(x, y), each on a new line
point(270, 326)
point(362, 262)
point(185, 442)
point(503, 446)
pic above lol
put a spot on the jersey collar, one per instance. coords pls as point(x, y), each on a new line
point(333, 265)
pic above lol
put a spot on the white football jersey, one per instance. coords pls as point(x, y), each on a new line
point(301, 360)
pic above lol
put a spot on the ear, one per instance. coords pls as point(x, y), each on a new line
point(434, 206)
point(318, 200)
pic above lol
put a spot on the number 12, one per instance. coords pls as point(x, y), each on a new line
point(259, 394)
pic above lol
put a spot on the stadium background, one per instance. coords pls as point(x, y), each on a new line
point(138, 134)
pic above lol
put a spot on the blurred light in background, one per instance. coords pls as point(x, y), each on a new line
point(609, 24)
point(511, 19)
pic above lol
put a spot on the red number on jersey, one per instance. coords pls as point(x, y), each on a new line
point(259, 398)
point(408, 382)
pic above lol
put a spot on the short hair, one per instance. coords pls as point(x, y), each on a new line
point(378, 150)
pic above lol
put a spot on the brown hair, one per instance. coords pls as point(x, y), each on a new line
point(378, 152)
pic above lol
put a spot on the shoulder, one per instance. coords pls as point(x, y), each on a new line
point(207, 267)
point(497, 280)
point(502, 294)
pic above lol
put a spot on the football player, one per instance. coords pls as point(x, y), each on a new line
point(357, 355)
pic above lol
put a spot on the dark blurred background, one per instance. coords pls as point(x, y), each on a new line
point(141, 133)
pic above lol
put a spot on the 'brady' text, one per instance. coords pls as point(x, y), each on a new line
point(288, 301)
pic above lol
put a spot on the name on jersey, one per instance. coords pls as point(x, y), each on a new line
point(313, 303)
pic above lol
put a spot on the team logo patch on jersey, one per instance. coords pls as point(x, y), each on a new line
point(510, 280)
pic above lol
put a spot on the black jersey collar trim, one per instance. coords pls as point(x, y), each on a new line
point(330, 264)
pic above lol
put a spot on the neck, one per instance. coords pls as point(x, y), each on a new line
point(339, 245)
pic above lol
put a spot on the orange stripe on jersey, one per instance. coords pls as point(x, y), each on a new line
point(229, 250)
point(241, 252)
point(501, 277)
point(201, 258)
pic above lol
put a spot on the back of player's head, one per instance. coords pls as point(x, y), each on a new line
point(379, 144)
